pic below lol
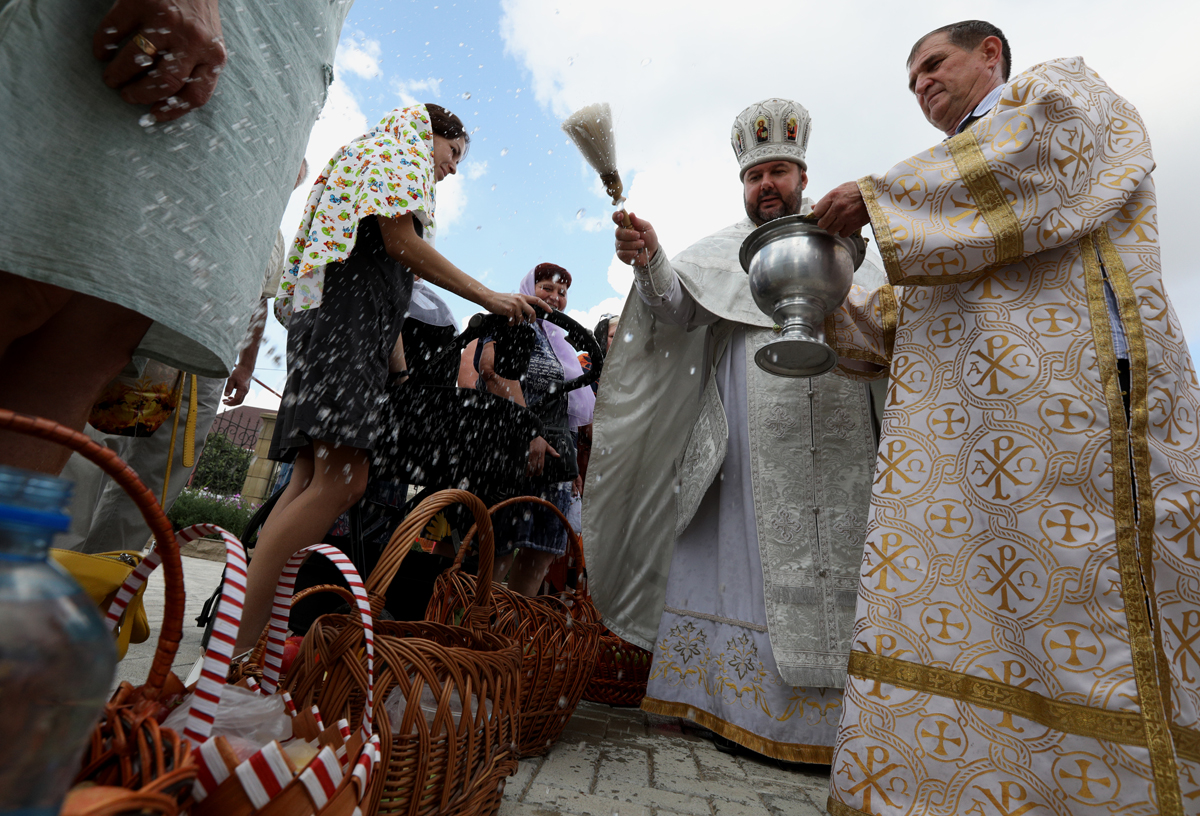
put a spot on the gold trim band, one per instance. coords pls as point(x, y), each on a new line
point(1110, 726)
point(981, 182)
point(1133, 589)
point(788, 752)
point(882, 230)
point(890, 317)
point(837, 808)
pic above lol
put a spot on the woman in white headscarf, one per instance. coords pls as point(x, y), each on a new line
point(539, 534)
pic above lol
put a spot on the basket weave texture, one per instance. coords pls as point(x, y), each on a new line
point(559, 636)
point(127, 748)
point(454, 758)
point(622, 671)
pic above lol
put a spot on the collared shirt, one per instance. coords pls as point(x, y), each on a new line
point(1120, 341)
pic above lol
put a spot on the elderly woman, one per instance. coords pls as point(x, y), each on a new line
point(367, 230)
point(536, 531)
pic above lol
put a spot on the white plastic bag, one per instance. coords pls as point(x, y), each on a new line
point(249, 715)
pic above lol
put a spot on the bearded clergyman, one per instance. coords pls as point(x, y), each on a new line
point(725, 509)
point(1029, 605)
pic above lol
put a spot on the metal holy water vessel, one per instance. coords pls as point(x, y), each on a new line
point(799, 273)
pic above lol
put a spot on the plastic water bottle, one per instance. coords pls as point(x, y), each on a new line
point(57, 657)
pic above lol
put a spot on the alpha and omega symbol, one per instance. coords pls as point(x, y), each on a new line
point(872, 774)
point(1005, 467)
point(997, 363)
point(1183, 516)
point(1007, 578)
point(901, 464)
point(891, 562)
point(1073, 647)
point(941, 737)
point(1005, 798)
point(1066, 413)
point(1085, 777)
point(1183, 642)
point(910, 380)
point(948, 518)
point(1068, 525)
point(945, 623)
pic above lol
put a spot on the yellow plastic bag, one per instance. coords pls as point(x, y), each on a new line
point(101, 575)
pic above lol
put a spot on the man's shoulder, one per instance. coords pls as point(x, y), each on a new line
point(720, 240)
point(1067, 76)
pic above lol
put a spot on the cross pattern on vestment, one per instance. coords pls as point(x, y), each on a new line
point(1068, 536)
point(1085, 781)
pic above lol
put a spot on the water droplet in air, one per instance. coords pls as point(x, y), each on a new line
point(628, 338)
point(493, 186)
point(143, 60)
point(646, 62)
point(466, 94)
point(146, 120)
point(504, 151)
point(579, 213)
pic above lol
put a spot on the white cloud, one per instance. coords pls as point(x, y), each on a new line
point(407, 90)
point(590, 317)
point(451, 202)
point(341, 121)
point(358, 55)
point(677, 78)
point(474, 170)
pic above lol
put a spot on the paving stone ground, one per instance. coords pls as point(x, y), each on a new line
point(609, 761)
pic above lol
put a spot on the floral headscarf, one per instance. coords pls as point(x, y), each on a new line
point(388, 171)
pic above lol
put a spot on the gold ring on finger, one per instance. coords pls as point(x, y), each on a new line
point(148, 48)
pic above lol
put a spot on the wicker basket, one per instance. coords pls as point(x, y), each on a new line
point(559, 637)
point(443, 761)
point(128, 750)
point(622, 671)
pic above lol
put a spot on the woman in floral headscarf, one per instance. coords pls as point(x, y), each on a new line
point(367, 229)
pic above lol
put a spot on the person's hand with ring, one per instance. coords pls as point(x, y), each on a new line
point(164, 53)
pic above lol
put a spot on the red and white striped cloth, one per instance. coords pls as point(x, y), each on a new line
point(265, 773)
point(322, 777)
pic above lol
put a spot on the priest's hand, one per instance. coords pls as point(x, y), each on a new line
point(539, 449)
point(637, 243)
point(842, 211)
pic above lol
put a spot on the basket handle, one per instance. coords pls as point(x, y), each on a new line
point(574, 542)
point(479, 613)
point(166, 549)
point(256, 657)
point(202, 710)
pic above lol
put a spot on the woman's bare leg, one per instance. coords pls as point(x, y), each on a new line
point(57, 368)
point(529, 570)
point(25, 305)
point(338, 480)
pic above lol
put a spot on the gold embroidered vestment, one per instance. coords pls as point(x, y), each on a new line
point(1028, 624)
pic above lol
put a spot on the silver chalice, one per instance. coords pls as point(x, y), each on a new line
point(799, 273)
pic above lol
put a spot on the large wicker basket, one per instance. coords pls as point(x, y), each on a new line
point(442, 761)
point(128, 750)
point(559, 637)
point(622, 671)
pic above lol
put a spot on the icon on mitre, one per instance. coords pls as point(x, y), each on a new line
point(762, 133)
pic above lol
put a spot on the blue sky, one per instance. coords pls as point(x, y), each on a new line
point(676, 73)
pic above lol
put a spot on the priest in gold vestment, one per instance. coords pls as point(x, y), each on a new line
point(1028, 625)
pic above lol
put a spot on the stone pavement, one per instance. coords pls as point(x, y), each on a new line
point(609, 761)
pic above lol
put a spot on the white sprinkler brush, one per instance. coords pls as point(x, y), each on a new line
point(591, 130)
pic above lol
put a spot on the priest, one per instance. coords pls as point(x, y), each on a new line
point(1028, 605)
point(725, 509)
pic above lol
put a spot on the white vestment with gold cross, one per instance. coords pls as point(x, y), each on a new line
point(1028, 634)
